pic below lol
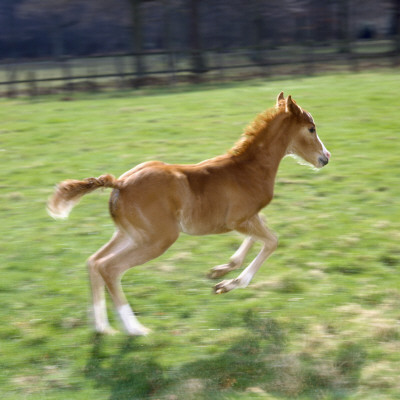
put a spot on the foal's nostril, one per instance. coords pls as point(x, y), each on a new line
point(323, 160)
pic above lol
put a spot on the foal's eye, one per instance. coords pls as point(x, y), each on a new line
point(312, 130)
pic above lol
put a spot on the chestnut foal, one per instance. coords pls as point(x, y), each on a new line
point(154, 202)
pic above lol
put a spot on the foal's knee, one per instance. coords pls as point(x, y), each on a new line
point(109, 273)
point(94, 267)
point(91, 264)
point(275, 242)
point(272, 242)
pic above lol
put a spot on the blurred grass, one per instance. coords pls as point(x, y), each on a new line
point(320, 320)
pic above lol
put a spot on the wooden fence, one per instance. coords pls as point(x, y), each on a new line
point(33, 77)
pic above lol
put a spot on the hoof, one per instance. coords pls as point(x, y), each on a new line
point(107, 331)
point(225, 286)
point(142, 331)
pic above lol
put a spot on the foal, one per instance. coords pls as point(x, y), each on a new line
point(154, 202)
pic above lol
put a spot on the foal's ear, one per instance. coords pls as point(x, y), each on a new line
point(292, 107)
point(279, 100)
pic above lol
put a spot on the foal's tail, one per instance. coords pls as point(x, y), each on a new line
point(69, 192)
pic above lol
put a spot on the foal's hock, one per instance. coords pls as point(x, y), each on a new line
point(154, 202)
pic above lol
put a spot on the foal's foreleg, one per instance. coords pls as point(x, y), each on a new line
point(257, 230)
point(235, 262)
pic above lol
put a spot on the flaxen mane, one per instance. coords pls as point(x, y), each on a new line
point(256, 131)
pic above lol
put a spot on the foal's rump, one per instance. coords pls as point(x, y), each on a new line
point(149, 199)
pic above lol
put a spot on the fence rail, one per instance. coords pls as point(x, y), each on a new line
point(170, 67)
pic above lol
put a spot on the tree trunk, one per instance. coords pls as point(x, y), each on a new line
point(57, 47)
point(137, 38)
point(343, 20)
point(198, 64)
point(167, 41)
point(12, 32)
point(396, 10)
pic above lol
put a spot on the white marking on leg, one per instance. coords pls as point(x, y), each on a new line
point(130, 322)
point(247, 275)
point(100, 317)
point(270, 245)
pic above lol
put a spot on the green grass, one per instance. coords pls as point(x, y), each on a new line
point(319, 321)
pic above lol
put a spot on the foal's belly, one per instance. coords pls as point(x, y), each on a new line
point(198, 222)
point(212, 220)
point(194, 229)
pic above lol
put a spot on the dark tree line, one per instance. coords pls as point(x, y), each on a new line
point(48, 28)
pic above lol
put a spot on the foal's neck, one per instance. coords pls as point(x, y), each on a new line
point(264, 143)
point(257, 157)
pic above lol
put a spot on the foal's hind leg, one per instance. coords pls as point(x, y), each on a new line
point(235, 262)
point(118, 242)
point(113, 265)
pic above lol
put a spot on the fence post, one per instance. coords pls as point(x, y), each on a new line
point(92, 73)
point(12, 77)
point(119, 67)
point(67, 76)
point(31, 78)
point(171, 67)
point(220, 63)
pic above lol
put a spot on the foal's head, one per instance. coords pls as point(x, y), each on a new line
point(305, 142)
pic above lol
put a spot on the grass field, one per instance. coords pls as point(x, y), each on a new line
point(321, 320)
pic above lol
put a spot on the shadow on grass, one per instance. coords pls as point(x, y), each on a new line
point(259, 362)
point(126, 375)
